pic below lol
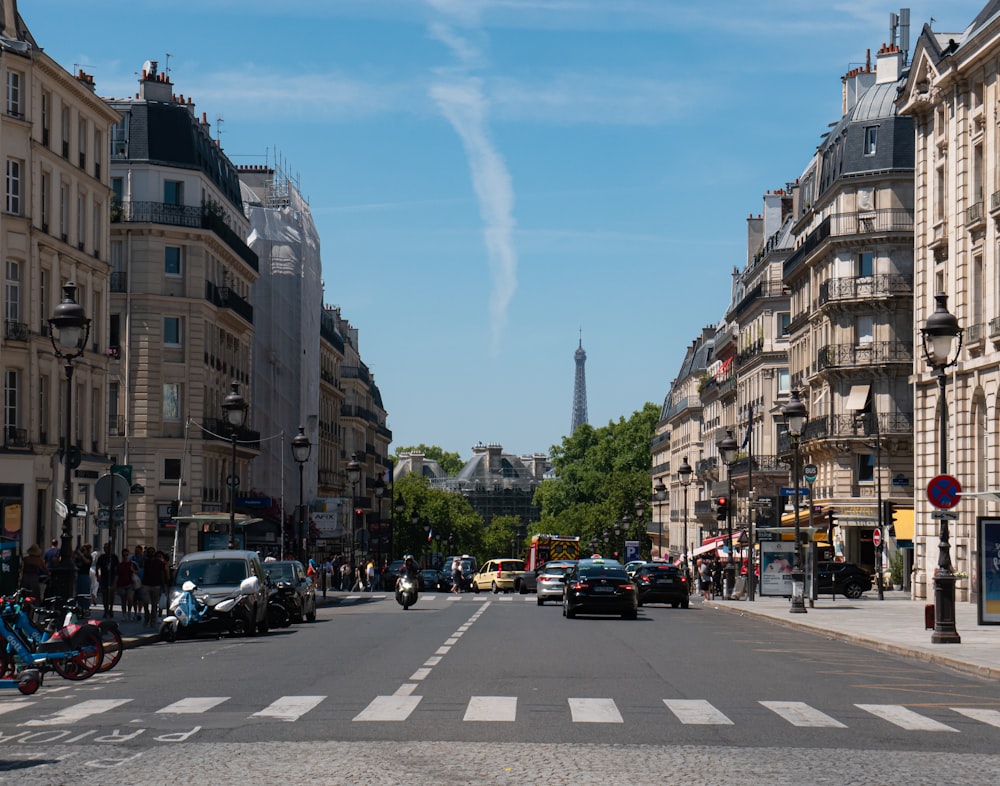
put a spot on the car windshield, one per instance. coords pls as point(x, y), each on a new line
point(556, 570)
point(212, 572)
point(652, 570)
point(603, 571)
point(280, 571)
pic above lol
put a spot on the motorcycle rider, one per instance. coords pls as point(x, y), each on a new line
point(408, 570)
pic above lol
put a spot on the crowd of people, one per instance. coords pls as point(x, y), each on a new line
point(137, 580)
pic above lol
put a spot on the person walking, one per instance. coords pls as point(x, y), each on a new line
point(107, 579)
point(33, 571)
point(456, 576)
point(83, 559)
point(154, 573)
point(705, 579)
point(124, 586)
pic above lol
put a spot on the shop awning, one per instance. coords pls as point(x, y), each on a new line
point(904, 523)
point(706, 548)
point(857, 398)
point(788, 519)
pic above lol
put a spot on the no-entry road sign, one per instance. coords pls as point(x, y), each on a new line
point(944, 491)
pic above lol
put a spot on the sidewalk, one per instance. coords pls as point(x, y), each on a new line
point(894, 625)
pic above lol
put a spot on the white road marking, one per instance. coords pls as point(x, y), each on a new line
point(420, 674)
point(15, 704)
point(492, 708)
point(389, 708)
point(594, 711)
point(193, 704)
point(800, 714)
point(405, 689)
point(992, 717)
point(289, 708)
point(696, 712)
point(904, 718)
point(442, 650)
point(432, 661)
point(452, 641)
point(78, 712)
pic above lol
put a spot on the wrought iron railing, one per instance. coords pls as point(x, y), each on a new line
point(16, 331)
point(862, 287)
point(869, 354)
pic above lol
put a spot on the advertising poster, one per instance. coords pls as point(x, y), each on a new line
point(776, 560)
point(989, 571)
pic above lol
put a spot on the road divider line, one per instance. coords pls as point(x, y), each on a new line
point(419, 674)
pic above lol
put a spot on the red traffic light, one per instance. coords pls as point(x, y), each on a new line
point(358, 511)
point(721, 502)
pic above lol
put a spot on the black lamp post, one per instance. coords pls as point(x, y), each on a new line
point(684, 476)
point(235, 407)
point(353, 476)
point(621, 527)
point(640, 518)
point(379, 494)
point(660, 495)
point(795, 419)
point(727, 452)
point(398, 509)
point(301, 448)
point(938, 334)
point(69, 331)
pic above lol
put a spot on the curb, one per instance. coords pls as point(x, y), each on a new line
point(987, 672)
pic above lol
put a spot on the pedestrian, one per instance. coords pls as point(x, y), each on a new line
point(456, 575)
point(705, 579)
point(51, 556)
point(370, 576)
point(345, 576)
point(84, 560)
point(154, 572)
point(33, 571)
point(124, 587)
point(107, 579)
point(717, 578)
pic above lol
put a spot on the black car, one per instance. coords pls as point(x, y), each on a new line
point(843, 578)
point(661, 582)
point(430, 580)
point(302, 597)
point(599, 586)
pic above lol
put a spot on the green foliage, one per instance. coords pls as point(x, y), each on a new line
point(497, 538)
point(601, 472)
point(896, 569)
point(451, 463)
point(443, 512)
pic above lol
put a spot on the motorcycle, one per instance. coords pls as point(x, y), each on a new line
point(406, 591)
point(281, 605)
point(192, 614)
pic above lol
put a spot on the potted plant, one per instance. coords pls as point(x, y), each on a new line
point(896, 570)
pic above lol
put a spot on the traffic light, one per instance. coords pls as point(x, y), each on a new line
point(174, 508)
point(889, 517)
point(722, 508)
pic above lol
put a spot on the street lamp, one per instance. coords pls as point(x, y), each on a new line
point(69, 331)
point(620, 528)
point(727, 451)
point(938, 334)
point(684, 476)
point(235, 407)
point(398, 509)
point(640, 518)
point(660, 495)
point(795, 420)
point(301, 448)
point(353, 476)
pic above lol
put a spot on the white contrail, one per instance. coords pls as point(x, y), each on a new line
point(460, 99)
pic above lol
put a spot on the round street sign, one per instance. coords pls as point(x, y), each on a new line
point(944, 491)
point(809, 472)
point(111, 490)
point(876, 537)
point(233, 481)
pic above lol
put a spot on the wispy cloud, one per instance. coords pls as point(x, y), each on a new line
point(460, 97)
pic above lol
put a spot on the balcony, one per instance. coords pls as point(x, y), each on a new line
point(868, 222)
point(116, 426)
point(974, 215)
point(864, 288)
point(216, 428)
point(183, 216)
point(119, 282)
point(15, 437)
point(15, 331)
point(844, 427)
point(874, 353)
point(225, 297)
point(762, 464)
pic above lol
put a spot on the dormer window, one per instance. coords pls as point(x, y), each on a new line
point(871, 140)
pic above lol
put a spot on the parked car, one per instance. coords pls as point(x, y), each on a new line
point(303, 596)
point(430, 580)
point(844, 578)
point(599, 586)
point(661, 582)
point(468, 567)
point(550, 579)
point(498, 575)
point(218, 575)
point(631, 568)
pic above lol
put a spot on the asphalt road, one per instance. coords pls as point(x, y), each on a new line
point(495, 689)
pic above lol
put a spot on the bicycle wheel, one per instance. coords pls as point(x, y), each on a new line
point(87, 660)
point(111, 638)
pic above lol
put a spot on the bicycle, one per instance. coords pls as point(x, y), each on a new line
point(72, 654)
point(45, 617)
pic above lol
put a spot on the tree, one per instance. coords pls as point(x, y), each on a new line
point(600, 473)
point(428, 510)
point(451, 463)
point(500, 535)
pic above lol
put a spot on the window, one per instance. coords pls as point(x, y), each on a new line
point(81, 143)
point(171, 469)
point(45, 196)
point(864, 329)
point(14, 186)
point(866, 468)
point(15, 107)
point(12, 293)
point(172, 331)
point(173, 192)
point(171, 402)
point(871, 140)
point(46, 109)
point(784, 320)
point(114, 428)
point(866, 264)
point(117, 189)
point(783, 386)
point(65, 132)
point(172, 260)
point(63, 208)
point(10, 398)
point(80, 219)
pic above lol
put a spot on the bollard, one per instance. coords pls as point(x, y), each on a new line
point(929, 616)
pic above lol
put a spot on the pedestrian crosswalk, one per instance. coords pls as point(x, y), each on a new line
point(404, 703)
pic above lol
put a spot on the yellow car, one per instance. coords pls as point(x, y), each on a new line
point(497, 575)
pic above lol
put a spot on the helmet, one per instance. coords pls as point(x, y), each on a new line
point(407, 557)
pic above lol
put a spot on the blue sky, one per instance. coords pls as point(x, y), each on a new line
point(491, 177)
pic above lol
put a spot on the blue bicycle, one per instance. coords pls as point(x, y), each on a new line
point(73, 652)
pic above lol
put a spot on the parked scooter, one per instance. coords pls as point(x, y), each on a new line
point(406, 591)
point(280, 604)
point(191, 614)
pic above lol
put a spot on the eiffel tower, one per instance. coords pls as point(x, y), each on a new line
point(579, 388)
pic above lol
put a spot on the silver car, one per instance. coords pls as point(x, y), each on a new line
point(549, 585)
